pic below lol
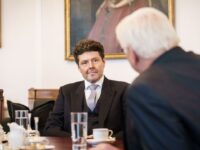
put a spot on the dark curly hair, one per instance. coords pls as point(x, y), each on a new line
point(87, 45)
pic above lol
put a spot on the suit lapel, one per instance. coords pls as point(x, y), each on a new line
point(77, 99)
point(105, 101)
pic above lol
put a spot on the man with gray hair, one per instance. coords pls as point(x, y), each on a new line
point(163, 103)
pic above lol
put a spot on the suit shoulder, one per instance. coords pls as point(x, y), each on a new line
point(117, 84)
point(71, 86)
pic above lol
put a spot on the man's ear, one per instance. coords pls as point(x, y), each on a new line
point(104, 60)
point(133, 58)
point(78, 67)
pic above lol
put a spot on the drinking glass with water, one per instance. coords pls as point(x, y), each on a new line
point(21, 118)
point(79, 130)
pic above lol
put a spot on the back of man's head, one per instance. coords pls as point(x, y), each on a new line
point(148, 32)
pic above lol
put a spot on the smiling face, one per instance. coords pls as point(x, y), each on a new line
point(91, 66)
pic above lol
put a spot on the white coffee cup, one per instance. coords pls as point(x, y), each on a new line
point(102, 133)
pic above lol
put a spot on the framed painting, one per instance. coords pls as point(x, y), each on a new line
point(97, 19)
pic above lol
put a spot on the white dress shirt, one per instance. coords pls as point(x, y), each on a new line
point(98, 90)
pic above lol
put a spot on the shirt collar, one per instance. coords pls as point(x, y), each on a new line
point(99, 82)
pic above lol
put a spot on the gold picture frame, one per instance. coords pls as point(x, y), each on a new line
point(78, 23)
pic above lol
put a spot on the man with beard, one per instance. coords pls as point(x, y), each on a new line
point(107, 111)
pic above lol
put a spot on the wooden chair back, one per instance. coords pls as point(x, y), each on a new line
point(1, 105)
point(39, 95)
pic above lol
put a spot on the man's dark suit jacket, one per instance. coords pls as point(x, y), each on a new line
point(163, 104)
point(71, 98)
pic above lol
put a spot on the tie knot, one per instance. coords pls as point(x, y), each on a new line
point(93, 86)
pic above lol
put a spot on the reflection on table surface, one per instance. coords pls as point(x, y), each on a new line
point(65, 143)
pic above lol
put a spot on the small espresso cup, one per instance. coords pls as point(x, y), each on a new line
point(102, 133)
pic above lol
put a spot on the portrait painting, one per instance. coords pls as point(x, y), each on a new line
point(97, 20)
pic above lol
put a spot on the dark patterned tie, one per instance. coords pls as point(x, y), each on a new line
point(91, 102)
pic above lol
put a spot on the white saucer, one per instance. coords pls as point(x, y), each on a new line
point(46, 147)
point(37, 139)
point(94, 141)
point(49, 147)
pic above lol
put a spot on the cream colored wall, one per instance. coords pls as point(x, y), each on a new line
point(32, 53)
point(188, 23)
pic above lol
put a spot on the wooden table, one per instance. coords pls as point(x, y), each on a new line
point(61, 143)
